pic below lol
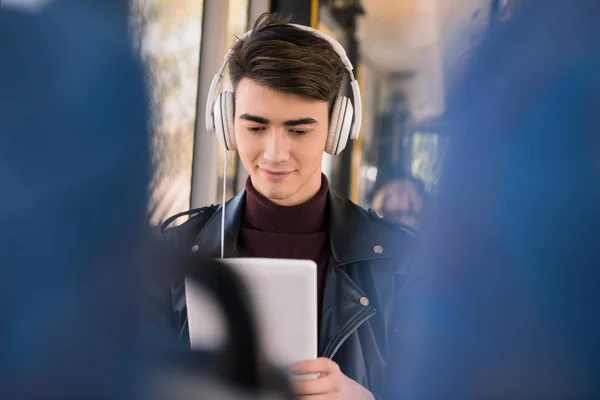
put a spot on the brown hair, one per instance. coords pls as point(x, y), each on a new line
point(285, 58)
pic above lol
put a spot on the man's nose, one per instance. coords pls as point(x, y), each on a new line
point(277, 146)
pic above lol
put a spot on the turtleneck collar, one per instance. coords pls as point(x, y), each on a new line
point(265, 215)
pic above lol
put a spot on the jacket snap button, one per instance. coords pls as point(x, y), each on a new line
point(364, 301)
point(195, 248)
point(378, 249)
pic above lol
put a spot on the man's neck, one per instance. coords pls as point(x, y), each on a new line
point(268, 216)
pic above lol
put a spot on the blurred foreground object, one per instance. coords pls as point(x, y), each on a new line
point(510, 283)
point(80, 278)
point(74, 171)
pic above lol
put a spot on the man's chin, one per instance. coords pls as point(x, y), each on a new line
point(276, 194)
point(270, 190)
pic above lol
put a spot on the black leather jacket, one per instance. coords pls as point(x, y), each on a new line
point(363, 295)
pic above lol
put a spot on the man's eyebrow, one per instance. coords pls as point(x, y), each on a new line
point(255, 118)
point(265, 121)
point(300, 121)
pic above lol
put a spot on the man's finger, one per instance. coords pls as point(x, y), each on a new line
point(318, 366)
point(323, 385)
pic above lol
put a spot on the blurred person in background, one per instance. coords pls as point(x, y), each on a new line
point(401, 198)
point(509, 283)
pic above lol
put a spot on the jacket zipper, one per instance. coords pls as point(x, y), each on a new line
point(351, 331)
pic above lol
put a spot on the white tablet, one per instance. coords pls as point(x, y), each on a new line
point(284, 297)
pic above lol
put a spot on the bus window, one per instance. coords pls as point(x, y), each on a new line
point(169, 42)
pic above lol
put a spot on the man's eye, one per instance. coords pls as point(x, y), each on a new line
point(255, 128)
point(299, 132)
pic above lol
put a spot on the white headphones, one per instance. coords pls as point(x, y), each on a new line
point(220, 111)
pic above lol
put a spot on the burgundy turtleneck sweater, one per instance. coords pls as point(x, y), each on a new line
point(270, 230)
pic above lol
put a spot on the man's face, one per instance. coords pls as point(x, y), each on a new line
point(280, 139)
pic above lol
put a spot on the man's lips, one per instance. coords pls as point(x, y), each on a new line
point(275, 173)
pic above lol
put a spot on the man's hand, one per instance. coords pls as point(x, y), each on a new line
point(331, 384)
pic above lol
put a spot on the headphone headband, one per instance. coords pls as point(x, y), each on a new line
point(337, 47)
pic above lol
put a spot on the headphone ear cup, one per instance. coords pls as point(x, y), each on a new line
point(346, 128)
point(332, 135)
point(219, 121)
point(224, 111)
point(229, 113)
point(339, 125)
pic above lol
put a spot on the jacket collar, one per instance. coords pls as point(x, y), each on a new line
point(209, 237)
point(354, 235)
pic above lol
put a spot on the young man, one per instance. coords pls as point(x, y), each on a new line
point(286, 81)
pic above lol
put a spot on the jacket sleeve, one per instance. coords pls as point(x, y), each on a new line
point(170, 290)
point(156, 303)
